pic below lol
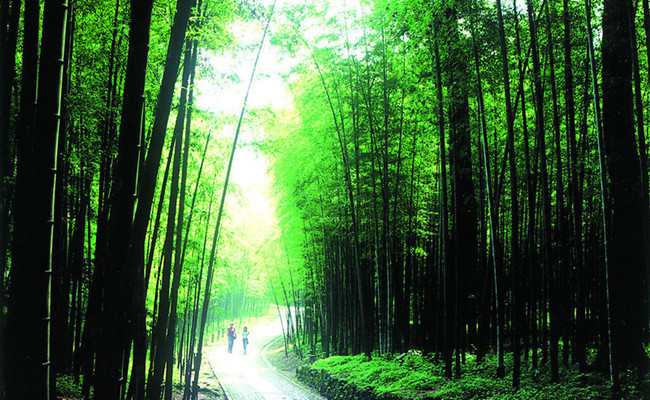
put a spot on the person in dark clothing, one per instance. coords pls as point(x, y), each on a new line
point(232, 335)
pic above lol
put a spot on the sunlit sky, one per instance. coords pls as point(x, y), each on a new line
point(223, 92)
point(253, 211)
point(269, 89)
point(225, 95)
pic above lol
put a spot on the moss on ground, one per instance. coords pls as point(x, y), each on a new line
point(413, 376)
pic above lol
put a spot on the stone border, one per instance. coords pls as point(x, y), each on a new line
point(337, 389)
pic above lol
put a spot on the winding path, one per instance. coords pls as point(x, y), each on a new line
point(250, 376)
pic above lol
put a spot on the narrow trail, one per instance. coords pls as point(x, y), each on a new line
point(250, 376)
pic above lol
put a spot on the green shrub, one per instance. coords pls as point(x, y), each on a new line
point(66, 387)
point(412, 375)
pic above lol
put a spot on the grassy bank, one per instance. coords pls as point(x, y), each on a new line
point(413, 375)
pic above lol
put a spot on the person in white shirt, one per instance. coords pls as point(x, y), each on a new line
point(244, 336)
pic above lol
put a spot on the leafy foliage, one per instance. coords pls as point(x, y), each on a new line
point(67, 388)
point(412, 376)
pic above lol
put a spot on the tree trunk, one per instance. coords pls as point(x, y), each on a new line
point(360, 276)
point(192, 357)
point(28, 319)
point(513, 196)
point(160, 332)
point(8, 44)
point(627, 268)
point(62, 267)
point(558, 293)
point(643, 156)
point(573, 191)
point(149, 173)
point(178, 250)
point(446, 266)
point(117, 280)
point(547, 266)
point(613, 373)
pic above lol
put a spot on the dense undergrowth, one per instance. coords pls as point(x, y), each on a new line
point(412, 375)
point(67, 388)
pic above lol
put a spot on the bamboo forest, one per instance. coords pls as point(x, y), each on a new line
point(395, 199)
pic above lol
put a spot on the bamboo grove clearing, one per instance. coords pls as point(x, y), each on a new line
point(461, 178)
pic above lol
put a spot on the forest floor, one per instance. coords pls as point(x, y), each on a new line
point(209, 386)
point(285, 362)
point(412, 375)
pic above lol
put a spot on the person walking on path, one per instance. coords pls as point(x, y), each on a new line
point(244, 337)
point(232, 335)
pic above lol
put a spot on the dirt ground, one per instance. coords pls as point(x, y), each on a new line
point(209, 387)
point(285, 362)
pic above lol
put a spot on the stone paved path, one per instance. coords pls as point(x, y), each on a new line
point(249, 376)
